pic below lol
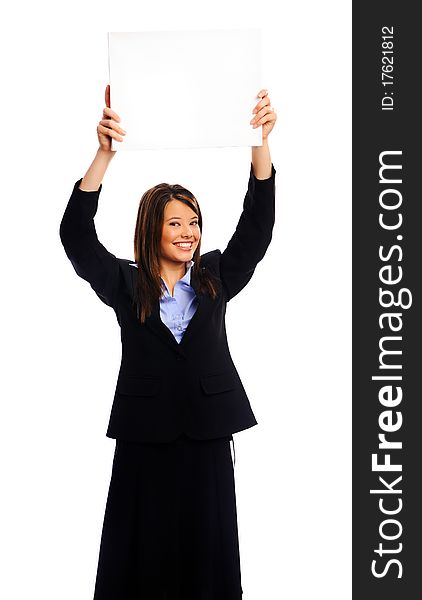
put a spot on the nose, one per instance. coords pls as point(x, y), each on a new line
point(187, 232)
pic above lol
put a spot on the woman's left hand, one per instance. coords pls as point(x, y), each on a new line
point(264, 114)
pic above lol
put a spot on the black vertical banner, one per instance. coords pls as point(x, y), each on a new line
point(387, 256)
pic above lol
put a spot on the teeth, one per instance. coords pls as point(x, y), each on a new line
point(183, 244)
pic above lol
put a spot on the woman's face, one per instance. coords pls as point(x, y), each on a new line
point(180, 233)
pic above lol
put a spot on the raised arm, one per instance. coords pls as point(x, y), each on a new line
point(253, 233)
point(90, 259)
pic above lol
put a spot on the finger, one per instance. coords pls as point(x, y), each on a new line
point(266, 109)
point(107, 95)
point(271, 116)
point(264, 102)
point(113, 125)
point(262, 93)
point(108, 112)
point(110, 132)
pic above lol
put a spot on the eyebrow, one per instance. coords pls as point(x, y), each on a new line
point(195, 217)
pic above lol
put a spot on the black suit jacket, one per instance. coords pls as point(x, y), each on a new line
point(163, 387)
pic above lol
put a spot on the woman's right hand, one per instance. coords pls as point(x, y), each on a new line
point(109, 127)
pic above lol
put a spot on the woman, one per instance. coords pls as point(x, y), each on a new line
point(170, 524)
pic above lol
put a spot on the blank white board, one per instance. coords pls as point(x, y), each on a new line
point(185, 89)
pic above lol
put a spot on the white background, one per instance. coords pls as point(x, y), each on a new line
point(62, 345)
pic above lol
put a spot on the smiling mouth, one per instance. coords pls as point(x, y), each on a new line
point(183, 245)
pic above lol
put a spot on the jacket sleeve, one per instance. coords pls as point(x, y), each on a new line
point(252, 236)
point(90, 259)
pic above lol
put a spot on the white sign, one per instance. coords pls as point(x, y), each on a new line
point(185, 89)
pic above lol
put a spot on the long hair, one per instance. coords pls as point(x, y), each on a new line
point(148, 232)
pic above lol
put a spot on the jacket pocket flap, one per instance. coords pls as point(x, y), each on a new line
point(139, 386)
point(222, 382)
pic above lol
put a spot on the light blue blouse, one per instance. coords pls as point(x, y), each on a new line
point(176, 311)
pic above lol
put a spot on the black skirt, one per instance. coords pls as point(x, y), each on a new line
point(170, 524)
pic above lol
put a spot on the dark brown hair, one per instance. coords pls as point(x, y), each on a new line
point(148, 232)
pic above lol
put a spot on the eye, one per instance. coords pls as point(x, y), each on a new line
point(195, 222)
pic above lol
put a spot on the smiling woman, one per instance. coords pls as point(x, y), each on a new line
point(170, 524)
point(179, 240)
point(167, 236)
point(179, 234)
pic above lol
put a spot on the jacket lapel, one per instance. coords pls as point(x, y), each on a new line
point(155, 324)
point(199, 316)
